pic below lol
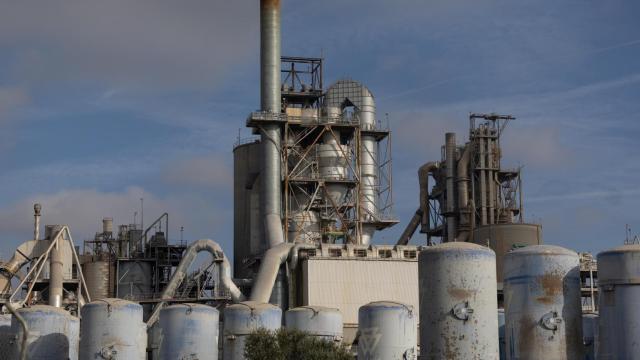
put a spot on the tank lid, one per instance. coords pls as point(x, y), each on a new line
point(619, 265)
point(387, 304)
point(543, 249)
point(192, 306)
point(113, 302)
point(457, 246)
point(45, 308)
point(314, 309)
point(622, 249)
point(251, 306)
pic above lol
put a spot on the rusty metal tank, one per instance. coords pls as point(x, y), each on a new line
point(189, 331)
point(242, 319)
point(53, 334)
point(543, 312)
point(113, 329)
point(317, 321)
point(502, 238)
point(619, 301)
point(458, 302)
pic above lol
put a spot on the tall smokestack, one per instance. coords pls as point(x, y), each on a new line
point(270, 99)
point(270, 55)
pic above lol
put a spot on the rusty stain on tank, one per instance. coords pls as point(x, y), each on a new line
point(271, 3)
point(460, 294)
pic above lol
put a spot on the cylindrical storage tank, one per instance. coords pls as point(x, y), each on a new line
point(244, 318)
point(53, 334)
point(458, 302)
point(502, 238)
point(317, 321)
point(543, 312)
point(387, 331)
point(590, 335)
point(619, 302)
point(501, 338)
point(107, 225)
point(113, 327)
point(99, 275)
point(189, 331)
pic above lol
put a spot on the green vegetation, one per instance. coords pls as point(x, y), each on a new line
point(292, 345)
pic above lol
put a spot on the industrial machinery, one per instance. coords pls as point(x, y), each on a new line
point(473, 198)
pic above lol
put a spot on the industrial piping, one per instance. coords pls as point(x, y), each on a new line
point(192, 251)
point(411, 228)
point(423, 180)
point(270, 99)
point(270, 265)
point(463, 196)
point(450, 155)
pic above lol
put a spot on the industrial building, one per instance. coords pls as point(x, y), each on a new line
point(312, 188)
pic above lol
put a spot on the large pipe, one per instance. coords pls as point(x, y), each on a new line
point(270, 100)
point(463, 195)
point(190, 254)
point(423, 180)
point(36, 223)
point(450, 158)
point(56, 272)
point(369, 181)
point(411, 228)
point(268, 272)
point(483, 186)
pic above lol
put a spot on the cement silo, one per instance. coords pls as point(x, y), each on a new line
point(458, 302)
point(619, 289)
point(113, 327)
point(542, 303)
point(242, 319)
point(189, 331)
point(318, 321)
point(387, 331)
point(53, 333)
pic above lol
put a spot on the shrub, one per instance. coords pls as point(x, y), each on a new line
point(287, 344)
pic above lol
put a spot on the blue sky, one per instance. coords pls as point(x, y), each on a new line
point(102, 103)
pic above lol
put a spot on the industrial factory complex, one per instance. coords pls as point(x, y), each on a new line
point(467, 279)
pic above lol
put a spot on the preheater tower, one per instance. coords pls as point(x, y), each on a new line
point(320, 171)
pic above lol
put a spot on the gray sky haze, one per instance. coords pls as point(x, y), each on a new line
point(105, 102)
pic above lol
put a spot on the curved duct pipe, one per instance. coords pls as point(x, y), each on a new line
point(273, 230)
point(22, 255)
point(423, 180)
point(268, 272)
point(192, 251)
point(411, 228)
point(294, 254)
point(463, 194)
